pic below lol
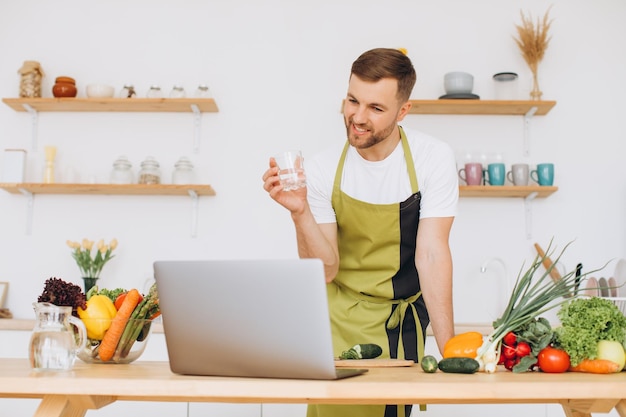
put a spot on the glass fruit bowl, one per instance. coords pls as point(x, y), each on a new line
point(129, 347)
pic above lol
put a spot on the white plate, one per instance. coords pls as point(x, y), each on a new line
point(591, 289)
point(620, 277)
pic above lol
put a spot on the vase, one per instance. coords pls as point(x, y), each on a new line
point(89, 283)
point(535, 93)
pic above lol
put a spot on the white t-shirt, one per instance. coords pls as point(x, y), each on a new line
point(386, 181)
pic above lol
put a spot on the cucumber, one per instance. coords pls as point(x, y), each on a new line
point(429, 364)
point(458, 365)
point(362, 351)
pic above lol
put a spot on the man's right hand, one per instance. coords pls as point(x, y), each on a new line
point(295, 200)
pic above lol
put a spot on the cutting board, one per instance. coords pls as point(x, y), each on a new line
point(372, 363)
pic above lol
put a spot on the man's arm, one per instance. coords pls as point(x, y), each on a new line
point(433, 261)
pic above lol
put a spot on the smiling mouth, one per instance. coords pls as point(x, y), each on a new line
point(359, 130)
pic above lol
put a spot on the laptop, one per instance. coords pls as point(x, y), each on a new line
point(247, 318)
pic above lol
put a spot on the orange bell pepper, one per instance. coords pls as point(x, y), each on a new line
point(463, 345)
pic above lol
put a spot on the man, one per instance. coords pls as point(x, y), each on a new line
point(378, 211)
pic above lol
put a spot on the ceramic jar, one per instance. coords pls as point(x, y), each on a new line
point(64, 87)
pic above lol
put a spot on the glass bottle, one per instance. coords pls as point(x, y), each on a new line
point(177, 92)
point(154, 92)
point(203, 91)
point(122, 171)
point(150, 173)
point(183, 172)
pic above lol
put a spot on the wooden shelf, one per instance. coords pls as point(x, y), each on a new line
point(112, 104)
point(515, 191)
point(486, 107)
point(108, 189)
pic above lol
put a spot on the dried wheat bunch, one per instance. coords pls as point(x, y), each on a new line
point(533, 39)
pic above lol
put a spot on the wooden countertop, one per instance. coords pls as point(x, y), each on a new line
point(90, 386)
point(29, 324)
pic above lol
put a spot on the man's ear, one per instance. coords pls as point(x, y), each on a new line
point(404, 110)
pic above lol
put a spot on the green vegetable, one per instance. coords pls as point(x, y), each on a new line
point(586, 321)
point(112, 294)
point(146, 309)
point(362, 351)
point(458, 365)
point(538, 334)
point(531, 297)
point(429, 364)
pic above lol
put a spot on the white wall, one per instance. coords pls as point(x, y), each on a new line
point(279, 70)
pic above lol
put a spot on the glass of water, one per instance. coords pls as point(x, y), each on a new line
point(291, 170)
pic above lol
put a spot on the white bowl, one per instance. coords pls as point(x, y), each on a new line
point(100, 91)
point(458, 82)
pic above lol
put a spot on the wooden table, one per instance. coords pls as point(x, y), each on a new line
point(87, 386)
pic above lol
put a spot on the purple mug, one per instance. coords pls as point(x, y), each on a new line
point(472, 173)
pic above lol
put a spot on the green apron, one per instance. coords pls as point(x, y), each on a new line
point(376, 296)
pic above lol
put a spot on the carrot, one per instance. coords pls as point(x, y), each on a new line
point(596, 366)
point(113, 335)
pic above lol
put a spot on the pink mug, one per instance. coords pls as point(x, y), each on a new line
point(472, 174)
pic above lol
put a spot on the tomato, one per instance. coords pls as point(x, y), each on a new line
point(509, 339)
point(120, 299)
point(553, 360)
point(522, 349)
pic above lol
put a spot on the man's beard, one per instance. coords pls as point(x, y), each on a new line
point(374, 138)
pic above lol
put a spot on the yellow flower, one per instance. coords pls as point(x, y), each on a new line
point(91, 266)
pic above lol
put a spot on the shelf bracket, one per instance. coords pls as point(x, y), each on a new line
point(194, 212)
point(30, 204)
point(529, 212)
point(197, 119)
point(527, 117)
point(34, 115)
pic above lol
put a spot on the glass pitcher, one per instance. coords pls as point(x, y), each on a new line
point(56, 339)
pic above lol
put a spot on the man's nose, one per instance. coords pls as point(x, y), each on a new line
point(359, 116)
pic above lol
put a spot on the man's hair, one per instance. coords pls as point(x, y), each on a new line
point(380, 63)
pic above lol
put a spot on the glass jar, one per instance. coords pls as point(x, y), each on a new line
point(30, 79)
point(183, 172)
point(203, 91)
point(177, 92)
point(150, 173)
point(154, 92)
point(128, 91)
point(122, 171)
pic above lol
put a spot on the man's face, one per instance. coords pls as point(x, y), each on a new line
point(372, 111)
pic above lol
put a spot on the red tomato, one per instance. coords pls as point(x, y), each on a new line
point(553, 360)
point(522, 349)
point(120, 299)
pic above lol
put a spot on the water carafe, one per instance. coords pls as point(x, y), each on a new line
point(56, 339)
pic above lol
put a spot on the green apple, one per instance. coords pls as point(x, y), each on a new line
point(613, 351)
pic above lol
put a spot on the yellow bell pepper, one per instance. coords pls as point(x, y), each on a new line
point(463, 345)
point(97, 316)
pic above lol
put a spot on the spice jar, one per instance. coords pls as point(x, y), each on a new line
point(64, 87)
point(183, 172)
point(30, 79)
point(150, 172)
point(177, 92)
point(122, 171)
point(128, 91)
point(203, 91)
point(154, 92)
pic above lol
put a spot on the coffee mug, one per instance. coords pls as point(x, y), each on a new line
point(495, 174)
point(518, 174)
point(472, 173)
point(543, 175)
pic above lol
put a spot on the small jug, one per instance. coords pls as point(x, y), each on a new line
point(54, 343)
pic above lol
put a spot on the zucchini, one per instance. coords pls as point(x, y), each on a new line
point(362, 351)
point(458, 365)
